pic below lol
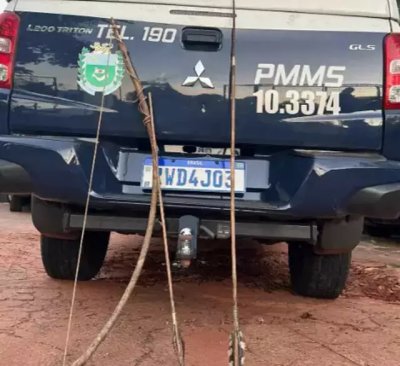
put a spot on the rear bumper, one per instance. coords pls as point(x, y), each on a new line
point(293, 185)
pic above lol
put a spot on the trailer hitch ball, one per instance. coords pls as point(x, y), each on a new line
point(185, 251)
point(187, 241)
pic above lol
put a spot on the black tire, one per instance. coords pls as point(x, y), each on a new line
point(59, 256)
point(318, 276)
point(16, 203)
point(382, 231)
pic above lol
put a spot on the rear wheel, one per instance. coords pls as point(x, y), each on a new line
point(319, 276)
point(60, 256)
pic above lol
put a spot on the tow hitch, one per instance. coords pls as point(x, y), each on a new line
point(186, 249)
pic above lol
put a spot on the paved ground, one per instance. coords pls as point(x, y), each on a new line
point(360, 328)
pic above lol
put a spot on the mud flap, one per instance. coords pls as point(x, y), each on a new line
point(340, 236)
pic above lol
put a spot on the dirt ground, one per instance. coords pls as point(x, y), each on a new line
point(360, 328)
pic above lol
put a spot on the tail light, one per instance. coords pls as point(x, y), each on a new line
point(9, 25)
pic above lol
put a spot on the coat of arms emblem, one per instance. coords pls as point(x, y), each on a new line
point(100, 70)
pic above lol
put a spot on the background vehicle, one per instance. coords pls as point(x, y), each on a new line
point(17, 202)
point(318, 124)
point(382, 228)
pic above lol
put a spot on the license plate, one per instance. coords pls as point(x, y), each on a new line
point(195, 175)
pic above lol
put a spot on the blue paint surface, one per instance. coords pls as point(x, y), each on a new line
point(195, 163)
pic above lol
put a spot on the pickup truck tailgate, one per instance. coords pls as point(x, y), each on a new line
point(306, 80)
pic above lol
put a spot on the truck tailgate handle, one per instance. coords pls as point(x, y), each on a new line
point(202, 39)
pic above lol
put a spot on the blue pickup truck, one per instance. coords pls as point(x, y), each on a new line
point(318, 124)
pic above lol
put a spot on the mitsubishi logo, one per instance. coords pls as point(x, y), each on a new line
point(204, 81)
